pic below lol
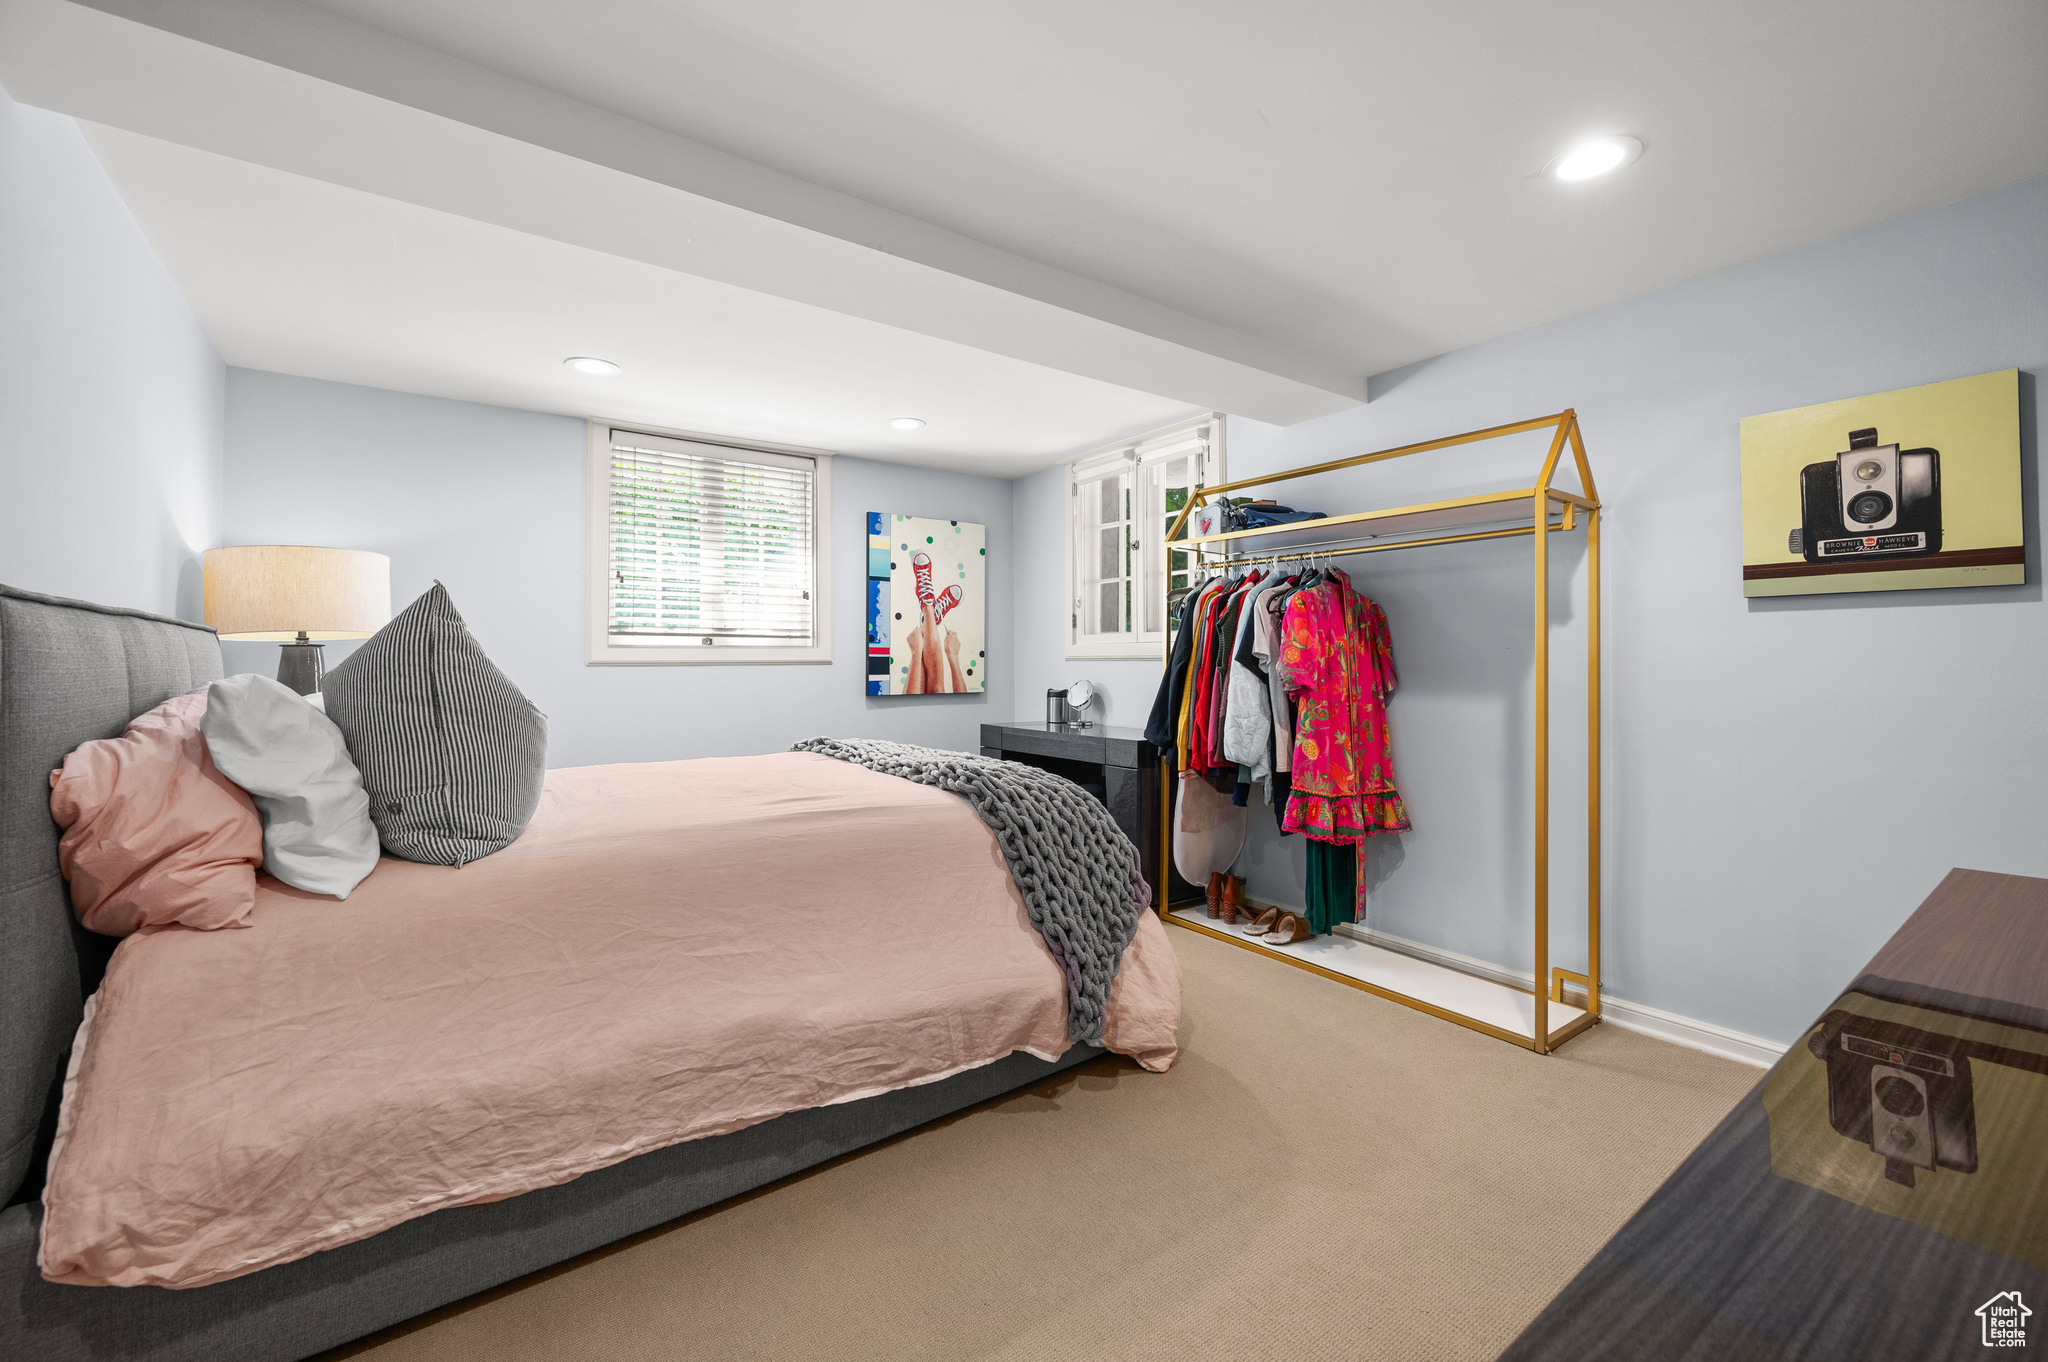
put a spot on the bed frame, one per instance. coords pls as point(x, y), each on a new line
point(71, 672)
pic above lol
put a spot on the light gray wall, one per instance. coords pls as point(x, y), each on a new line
point(491, 502)
point(1785, 779)
point(110, 394)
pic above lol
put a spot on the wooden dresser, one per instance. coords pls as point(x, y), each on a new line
point(1881, 1195)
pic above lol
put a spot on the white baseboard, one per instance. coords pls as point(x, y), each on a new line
point(1691, 1032)
point(1649, 1021)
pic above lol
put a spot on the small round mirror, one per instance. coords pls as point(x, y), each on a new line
point(1080, 694)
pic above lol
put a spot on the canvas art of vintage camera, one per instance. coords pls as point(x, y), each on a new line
point(1869, 501)
point(1903, 1091)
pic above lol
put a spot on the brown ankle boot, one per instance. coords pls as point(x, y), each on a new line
point(1236, 902)
point(1216, 879)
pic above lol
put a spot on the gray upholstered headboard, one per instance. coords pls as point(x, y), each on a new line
point(70, 671)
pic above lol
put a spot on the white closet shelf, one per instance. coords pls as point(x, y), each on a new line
point(1516, 507)
point(1498, 1008)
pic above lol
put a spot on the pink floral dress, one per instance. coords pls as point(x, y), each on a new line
point(1340, 666)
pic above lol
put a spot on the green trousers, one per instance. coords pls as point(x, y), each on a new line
point(1332, 885)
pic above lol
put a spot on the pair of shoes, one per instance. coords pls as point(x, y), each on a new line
point(1264, 922)
point(941, 602)
point(1288, 930)
point(1226, 895)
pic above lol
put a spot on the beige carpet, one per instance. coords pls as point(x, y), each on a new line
point(1323, 1175)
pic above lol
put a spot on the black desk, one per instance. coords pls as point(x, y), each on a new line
point(1116, 765)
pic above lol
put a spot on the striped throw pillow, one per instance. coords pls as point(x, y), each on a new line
point(452, 754)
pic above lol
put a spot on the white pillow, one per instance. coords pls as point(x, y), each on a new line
point(289, 756)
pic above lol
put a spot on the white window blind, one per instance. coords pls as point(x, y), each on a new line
point(709, 545)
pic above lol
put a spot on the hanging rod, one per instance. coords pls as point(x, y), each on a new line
point(1282, 555)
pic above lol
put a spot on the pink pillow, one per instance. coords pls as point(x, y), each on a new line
point(155, 834)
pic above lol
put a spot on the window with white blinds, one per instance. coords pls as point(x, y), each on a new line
point(709, 553)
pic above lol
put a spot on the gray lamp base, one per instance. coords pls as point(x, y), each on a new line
point(301, 665)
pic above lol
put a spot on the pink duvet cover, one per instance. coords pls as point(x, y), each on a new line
point(669, 951)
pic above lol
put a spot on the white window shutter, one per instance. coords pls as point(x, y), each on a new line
point(1169, 473)
point(1121, 501)
point(1103, 560)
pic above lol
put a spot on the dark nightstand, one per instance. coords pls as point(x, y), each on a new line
point(1116, 765)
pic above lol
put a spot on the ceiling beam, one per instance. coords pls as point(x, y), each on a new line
point(298, 89)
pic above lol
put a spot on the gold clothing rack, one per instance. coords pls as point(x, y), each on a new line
point(1515, 511)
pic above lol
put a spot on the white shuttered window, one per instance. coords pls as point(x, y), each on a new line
point(1120, 502)
point(1105, 550)
point(704, 552)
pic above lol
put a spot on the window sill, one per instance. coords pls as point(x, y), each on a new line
point(700, 656)
point(1146, 652)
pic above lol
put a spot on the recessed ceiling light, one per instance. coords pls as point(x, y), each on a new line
point(586, 364)
point(906, 423)
point(1594, 157)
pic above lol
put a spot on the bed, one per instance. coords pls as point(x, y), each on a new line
point(71, 672)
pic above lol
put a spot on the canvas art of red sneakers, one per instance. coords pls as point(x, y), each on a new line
point(921, 564)
point(945, 601)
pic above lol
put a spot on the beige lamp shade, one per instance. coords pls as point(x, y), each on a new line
point(278, 591)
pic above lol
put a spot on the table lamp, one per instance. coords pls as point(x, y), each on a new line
point(297, 596)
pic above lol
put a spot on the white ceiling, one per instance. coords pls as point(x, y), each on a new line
point(1355, 179)
point(298, 276)
point(1249, 208)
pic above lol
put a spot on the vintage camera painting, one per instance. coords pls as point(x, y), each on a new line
point(1898, 491)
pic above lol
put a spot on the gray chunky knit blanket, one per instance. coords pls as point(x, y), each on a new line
point(1078, 873)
